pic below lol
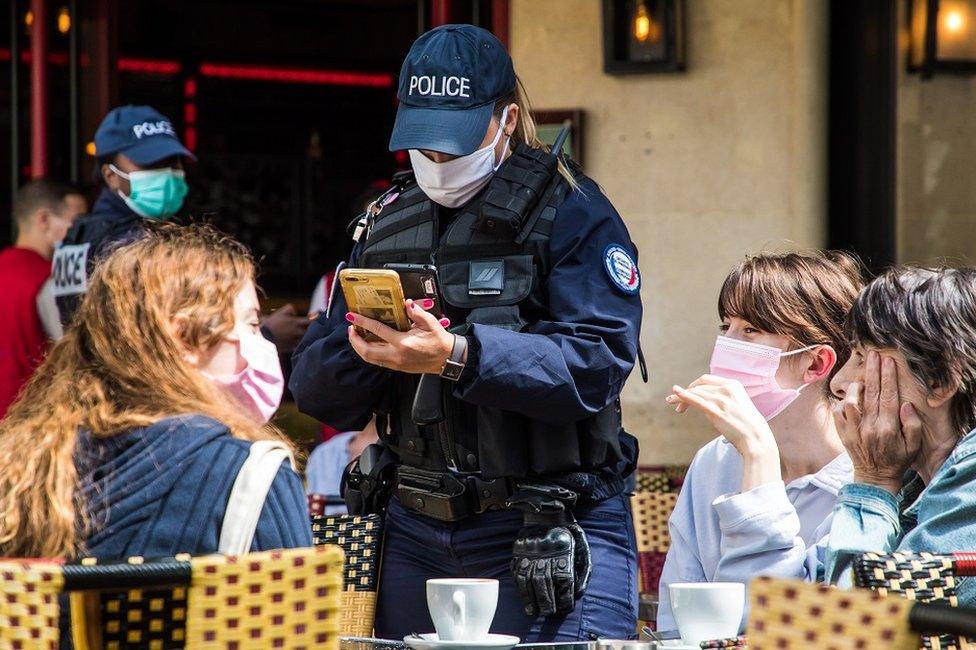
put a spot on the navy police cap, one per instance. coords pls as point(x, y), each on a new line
point(142, 133)
point(449, 83)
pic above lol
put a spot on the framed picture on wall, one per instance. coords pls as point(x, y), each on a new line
point(550, 122)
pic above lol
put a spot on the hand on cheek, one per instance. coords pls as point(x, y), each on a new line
point(881, 432)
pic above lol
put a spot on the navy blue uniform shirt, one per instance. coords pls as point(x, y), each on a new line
point(559, 370)
point(110, 223)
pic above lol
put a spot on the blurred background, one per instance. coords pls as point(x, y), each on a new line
point(717, 127)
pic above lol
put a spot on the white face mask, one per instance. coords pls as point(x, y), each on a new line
point(455, 182)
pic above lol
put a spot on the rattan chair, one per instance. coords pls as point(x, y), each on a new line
point(660, 478)
point(925, 577)
point(796, 614)
point(361, 539)
point(277, 599)
point(651, 513)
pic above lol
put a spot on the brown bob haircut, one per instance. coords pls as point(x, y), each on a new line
point(802, 296)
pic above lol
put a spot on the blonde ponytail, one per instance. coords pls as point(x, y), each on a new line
point(526, 130)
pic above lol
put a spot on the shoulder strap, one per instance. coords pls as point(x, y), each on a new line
point(248, 495)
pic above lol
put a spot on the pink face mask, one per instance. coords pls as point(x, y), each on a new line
point(260, 385)
point(754, 366)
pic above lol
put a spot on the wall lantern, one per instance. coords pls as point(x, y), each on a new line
point(643, 36)
point(942, 36)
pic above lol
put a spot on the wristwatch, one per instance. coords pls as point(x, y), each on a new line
point(454, 365)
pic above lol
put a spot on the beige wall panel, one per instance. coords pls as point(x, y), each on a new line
point(936, 182)
point(704, 166)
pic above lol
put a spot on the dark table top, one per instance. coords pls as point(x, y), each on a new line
point(357, 643)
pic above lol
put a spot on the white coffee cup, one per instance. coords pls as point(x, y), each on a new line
point(706, 611)
point(462, 608)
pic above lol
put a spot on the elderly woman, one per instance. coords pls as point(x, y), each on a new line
point(907, 419)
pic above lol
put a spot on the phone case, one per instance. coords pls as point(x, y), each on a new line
point(376, 294)
point(419, 281)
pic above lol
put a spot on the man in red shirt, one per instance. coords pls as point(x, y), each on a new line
point(43, 211)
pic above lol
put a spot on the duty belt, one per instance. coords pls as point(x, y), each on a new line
point(450, 497)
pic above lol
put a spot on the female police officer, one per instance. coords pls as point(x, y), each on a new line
point(502, 434)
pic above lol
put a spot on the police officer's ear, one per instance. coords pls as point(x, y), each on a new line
point(511, 120)
point(113, 181)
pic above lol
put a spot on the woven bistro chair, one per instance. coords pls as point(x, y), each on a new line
point(276, 599)
point(924, 577)
point(361, 539)
point(651, 512)
point(797, 614)
point(660, 478)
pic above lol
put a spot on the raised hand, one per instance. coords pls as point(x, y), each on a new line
point(882, 435)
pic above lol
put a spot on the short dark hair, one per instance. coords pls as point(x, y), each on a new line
point(929, 315)
point(38, 194)
point(802, 296)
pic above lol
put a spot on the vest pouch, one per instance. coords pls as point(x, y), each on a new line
point(471, 284)
point(599, 439)
point(554, 448)
point(406, 439)
point(502, 449)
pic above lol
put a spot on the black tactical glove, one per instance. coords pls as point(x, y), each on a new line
point(550, 558)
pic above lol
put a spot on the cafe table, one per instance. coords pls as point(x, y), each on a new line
point(360, 643)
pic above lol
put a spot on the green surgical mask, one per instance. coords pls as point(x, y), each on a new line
point(154, 193)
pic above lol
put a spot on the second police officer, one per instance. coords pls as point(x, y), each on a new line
point(141, 165)
point(501, 437)
point(140, 161)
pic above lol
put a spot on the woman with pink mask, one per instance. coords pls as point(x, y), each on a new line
point(757, 500)
point(132, 436)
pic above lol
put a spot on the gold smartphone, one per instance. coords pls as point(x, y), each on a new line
point(376, 294)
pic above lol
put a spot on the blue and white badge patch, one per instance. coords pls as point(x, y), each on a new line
point(622, 269)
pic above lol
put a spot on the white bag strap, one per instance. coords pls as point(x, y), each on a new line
point(248, 495)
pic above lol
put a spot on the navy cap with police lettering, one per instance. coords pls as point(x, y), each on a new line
point(449, 83)
point(142, 133)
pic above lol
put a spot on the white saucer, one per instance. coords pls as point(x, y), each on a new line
point(431, 642)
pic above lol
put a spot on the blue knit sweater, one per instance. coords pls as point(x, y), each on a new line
point(162, 490)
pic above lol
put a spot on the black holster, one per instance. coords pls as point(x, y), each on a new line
point(368, 481)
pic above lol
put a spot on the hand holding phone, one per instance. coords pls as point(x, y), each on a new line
point(376, 294)
point(419, 283)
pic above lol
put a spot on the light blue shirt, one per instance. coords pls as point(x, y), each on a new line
point(323, 472)
point(719, 534)
point(939, 517)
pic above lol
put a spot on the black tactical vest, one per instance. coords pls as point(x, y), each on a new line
point(492, 261)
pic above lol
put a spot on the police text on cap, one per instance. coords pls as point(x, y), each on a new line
point(153, 128)
point(440, 86)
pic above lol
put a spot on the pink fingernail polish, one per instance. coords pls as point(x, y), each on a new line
point(444, 322)
point(428, 303)
point(351, 317)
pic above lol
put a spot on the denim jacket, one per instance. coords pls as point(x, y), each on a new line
point(939, 517)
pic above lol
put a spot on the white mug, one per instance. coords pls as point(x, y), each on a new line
point(705, 611)
point(462, 608)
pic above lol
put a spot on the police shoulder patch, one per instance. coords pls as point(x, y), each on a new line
point(622, 269)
